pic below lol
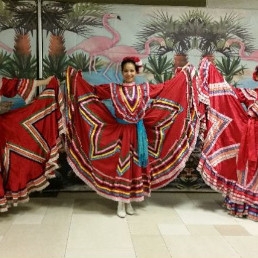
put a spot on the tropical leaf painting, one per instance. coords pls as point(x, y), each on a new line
point(20, 18)
point(193, 29)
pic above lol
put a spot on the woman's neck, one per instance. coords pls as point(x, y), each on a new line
point(128, 83)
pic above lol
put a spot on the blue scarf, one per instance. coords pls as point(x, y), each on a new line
point(141, 136)
point(142, 144)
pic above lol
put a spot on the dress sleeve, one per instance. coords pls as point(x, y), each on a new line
point(240, 95)
point(249, 97)
point(155, 89)
point(10, 87)
point(102, 91)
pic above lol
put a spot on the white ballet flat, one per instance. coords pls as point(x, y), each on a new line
point(121, 210)
point(129, 209)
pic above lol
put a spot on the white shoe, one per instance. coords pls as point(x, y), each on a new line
point(121, 210)
point(129, 209)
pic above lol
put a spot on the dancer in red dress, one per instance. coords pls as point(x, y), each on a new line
point(30, 139)
point(230, 152)
point(140, 143)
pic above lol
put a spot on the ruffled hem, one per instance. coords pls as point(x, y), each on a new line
point(241, 210)
point(12, 199)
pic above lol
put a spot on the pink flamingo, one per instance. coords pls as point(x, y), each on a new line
point(242, 54)
point(5, 47)
point(118, 52)
point(97, 44)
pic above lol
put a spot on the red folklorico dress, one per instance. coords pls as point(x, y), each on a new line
point(140, 141)
point(229, 157)
point(29, 141)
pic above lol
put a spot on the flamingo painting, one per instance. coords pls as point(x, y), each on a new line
point(242, 54)
point(5, 47)
point(116, 54)
point(97, 44)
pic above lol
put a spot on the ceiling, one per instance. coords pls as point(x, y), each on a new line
point(191, 3)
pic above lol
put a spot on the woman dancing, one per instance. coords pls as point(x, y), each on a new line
point(139, 141)
point(30, 138)
point(229, 157)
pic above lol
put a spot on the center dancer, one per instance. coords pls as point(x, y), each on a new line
point(125, 140)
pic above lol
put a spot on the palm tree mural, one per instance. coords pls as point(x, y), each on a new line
point(217, 33)
point(195, 29)
point(20, 16)
point(160, 67)
point(171, 30)
point(59, 18)
point(230, 67)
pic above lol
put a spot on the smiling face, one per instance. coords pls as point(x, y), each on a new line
point(129, 72)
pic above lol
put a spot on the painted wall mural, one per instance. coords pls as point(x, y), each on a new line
point(95, 38)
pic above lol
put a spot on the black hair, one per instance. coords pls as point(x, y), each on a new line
point(125, 61)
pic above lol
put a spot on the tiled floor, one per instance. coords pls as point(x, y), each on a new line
point(82, 225)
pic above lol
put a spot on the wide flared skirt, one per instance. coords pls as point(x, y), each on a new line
point(228, 130)
point(104, 152)
point(29, 144)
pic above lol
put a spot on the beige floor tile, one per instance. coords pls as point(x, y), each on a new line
point(146, 253)
point(100, 231)
point(246, 246)
point(5, 223)
point(86, 253)
point(202, 216)
point(32, 212)
point(165, 225)
point(165, 201)
point(143, 228)
point(165, 217)
point(147, 222)
point(209, 196)
point(32, 241)
point(199, 246)
point(94, 206)
point(31, 251)
point(202, 230)
point(232, 230)
point(173, 229)
point(29, 219)
point(37, 211)
point(152, 208)
point(59, 212)
point(150, 246)
point(249, 225)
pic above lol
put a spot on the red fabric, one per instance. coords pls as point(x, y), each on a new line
point(13, 86)
point(228, 161)
point(9, 87)
point(29, 143)
point(103, 152)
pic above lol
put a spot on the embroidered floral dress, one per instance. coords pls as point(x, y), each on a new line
point(125, 140)
point(29, 141)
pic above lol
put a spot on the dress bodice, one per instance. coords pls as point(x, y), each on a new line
point(130, 100)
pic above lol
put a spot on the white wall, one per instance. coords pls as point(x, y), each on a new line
point(233, 4)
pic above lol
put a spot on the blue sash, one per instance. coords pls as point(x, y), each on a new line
point(141, 136)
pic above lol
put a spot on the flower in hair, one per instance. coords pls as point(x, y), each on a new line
point(135, 59)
